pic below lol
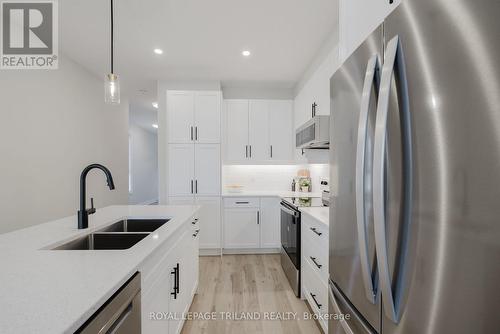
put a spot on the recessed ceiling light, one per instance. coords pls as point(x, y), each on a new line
point(246, 53)
point(155, 126)
point(158, 51)
point(155, 105)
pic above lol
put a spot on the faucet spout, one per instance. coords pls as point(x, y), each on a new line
point(83, 213)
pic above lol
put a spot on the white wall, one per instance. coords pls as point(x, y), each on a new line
point(144, 165)
point(52, 124)
point(270, 177)
point(358, 18)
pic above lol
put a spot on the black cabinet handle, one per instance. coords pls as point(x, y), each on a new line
point(196, 132)
point(313, 259)
point(195, 234)
point(246, 151)
point(196, 186)
point(174, 272)
point(315, 301)
point(178, 280)
point(316, 231)
point(271, 151)
point(242, 202)
point(191, 133)
point(192, 192)
point(258, 217)
point(250, 151)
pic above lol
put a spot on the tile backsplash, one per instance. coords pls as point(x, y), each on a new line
point(270, 177)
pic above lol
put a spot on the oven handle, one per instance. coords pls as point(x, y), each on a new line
point(288, 211)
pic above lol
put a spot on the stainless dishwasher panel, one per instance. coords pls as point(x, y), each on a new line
point(121, 314)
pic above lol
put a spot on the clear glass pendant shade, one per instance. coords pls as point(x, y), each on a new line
point(111, 89)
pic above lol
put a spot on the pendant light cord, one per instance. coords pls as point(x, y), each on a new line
point(112, 40)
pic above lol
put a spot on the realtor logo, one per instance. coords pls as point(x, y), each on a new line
point(29, 38)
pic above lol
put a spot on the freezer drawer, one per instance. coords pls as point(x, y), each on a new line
point(353, 322)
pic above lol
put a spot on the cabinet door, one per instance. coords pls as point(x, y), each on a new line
point(207, 117)
point(258, 127)
point(180, 115)
point(241, 228)
point(209, 220)
point(270, 223)
point(281, 130)
point(207, 169)
point(181, 169)
point(236, 130)
point(155, 301)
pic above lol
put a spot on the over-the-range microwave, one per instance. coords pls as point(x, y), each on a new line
point(314, 134)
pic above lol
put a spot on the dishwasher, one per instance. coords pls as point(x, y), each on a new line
point(121, 314)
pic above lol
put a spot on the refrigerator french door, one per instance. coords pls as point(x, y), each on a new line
point(431, 200)
point(443, 255)
point(352, 263)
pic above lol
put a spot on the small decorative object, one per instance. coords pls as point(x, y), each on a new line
point(305, 185)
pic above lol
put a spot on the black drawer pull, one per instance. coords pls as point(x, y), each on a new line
point(315, 301)
point(175, 272)
point(316, 231)
point(195, 234)
point(313, 259)
point(242, 202)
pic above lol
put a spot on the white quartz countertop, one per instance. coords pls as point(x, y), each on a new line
point(269, 193)
point(56, 291)
point(321, 214)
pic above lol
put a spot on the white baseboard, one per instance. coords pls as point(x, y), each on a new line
point(251, 251)
point(210, 252)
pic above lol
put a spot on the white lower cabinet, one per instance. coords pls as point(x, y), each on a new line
point(252, 223)
point(314, 266)
point(242, 228)
point(169, 281)
point(270, 222)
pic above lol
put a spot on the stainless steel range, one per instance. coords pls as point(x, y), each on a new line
point(290, 236)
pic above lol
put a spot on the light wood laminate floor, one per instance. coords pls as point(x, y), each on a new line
point(246, 283)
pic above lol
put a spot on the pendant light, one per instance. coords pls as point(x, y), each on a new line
point(111, 81)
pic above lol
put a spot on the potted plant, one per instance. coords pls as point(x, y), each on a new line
point(305, 185)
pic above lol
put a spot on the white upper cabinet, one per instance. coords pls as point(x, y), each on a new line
point(281, 134)
point(181, 166)
point(180, 111)
point(193, 116)
point(236, 130)
point(207, 117)
point(207, 170)
point(258, 131)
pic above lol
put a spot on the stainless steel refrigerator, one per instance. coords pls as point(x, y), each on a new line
point(415, 154)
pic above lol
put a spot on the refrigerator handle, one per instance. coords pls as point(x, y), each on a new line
point(371, 79)
point(394, 64)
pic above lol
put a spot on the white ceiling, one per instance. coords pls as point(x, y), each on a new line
point(201, 39)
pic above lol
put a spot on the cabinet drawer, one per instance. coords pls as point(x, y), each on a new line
point(242, 202)
point(315, 231)
point(316, 292)
point(317, 255)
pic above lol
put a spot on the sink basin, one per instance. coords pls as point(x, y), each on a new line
point(135, 225)
point(103, 241)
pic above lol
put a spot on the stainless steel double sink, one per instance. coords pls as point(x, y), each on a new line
point(120, 235)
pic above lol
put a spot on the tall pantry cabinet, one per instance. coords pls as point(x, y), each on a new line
point(194, 158)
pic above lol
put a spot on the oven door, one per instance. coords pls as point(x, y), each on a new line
point(290, 229)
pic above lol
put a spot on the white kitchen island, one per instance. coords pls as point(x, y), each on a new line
point(56, 291)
